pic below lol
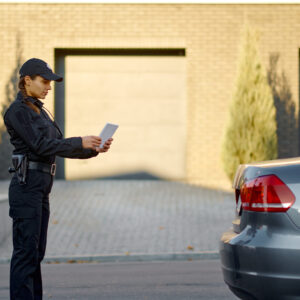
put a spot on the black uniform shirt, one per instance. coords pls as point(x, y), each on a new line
point(38, 136)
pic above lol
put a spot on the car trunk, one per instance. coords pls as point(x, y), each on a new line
point(286, 170)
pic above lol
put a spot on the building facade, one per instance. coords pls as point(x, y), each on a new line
point(164, 72)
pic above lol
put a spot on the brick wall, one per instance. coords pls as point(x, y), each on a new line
point(209, 33)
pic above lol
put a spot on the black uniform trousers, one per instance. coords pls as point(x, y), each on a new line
point(29, 209)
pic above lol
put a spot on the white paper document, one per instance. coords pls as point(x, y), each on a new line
point(107, 132)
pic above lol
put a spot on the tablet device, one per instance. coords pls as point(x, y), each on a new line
point(107, 132)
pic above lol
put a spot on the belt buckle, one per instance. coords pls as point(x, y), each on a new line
point(53, 169)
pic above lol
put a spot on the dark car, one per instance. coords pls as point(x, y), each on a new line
point(260, 255)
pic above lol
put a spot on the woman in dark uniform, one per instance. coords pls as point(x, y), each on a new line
point(37, 140)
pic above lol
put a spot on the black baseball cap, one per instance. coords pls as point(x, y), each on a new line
point(35, 66)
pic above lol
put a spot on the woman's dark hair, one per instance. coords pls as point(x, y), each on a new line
point(21, 85)
point(22, 89)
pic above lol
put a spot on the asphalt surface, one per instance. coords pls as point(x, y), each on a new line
point(128, 220)
point(173, 280)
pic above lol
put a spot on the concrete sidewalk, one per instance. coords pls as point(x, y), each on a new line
point(123, 220)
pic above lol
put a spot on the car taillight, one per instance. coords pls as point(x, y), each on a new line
point(266, 194)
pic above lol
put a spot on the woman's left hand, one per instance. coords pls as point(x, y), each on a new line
point(105, 147)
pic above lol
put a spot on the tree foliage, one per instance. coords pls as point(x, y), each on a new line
point(11, 89)
point(251, 133)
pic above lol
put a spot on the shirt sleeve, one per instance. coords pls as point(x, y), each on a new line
point(84, 153)
point(21, 122)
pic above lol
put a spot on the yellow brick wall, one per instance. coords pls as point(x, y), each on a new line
point(209, 33)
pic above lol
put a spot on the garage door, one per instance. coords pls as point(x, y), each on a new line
point(146, 96)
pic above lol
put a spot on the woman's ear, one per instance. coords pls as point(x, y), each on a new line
point(27, 80)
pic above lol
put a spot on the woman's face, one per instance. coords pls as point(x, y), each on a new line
point(37, 87)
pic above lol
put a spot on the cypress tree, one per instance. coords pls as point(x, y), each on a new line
point(251, 132)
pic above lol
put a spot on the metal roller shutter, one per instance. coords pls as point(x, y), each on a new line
point(146, 96)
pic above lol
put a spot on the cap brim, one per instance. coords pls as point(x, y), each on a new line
point(52, 77)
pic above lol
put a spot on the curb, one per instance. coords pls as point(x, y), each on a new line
point(3, 198)
point(134, 257)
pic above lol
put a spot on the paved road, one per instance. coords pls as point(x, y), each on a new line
point(129, 220)
point(173, 280)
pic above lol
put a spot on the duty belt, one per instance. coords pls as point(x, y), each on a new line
point(43, 167)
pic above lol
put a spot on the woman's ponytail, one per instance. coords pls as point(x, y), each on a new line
point(21, 86)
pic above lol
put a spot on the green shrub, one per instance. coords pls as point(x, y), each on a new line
point(251, 132)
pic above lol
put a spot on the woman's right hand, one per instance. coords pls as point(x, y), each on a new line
point(91, 142)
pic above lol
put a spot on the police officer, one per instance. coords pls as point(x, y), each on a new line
point(37, 140)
